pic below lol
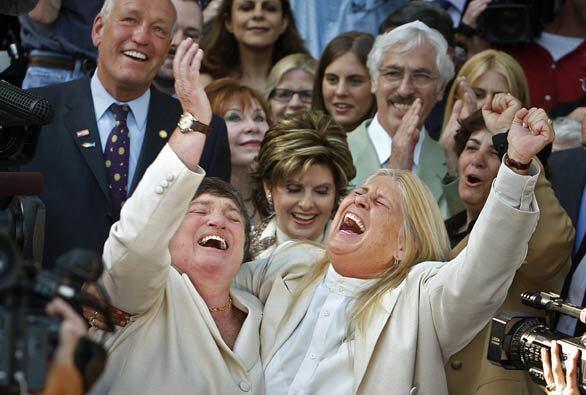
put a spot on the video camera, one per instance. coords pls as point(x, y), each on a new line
point(516, 340)
point(514, 21)
point(27, 336)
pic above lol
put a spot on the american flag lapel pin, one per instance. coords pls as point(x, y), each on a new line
point(82, 133)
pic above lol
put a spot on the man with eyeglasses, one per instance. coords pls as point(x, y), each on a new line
point(409, 69)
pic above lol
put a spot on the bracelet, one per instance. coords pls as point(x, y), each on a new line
point(516, 165)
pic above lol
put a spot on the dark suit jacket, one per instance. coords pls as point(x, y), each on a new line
point(568, 176)
point(75, 189)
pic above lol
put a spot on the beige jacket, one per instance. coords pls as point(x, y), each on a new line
point(431, 315)
point(547, 263)
point(172, 345)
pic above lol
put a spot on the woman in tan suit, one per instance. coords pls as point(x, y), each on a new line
point(544, 268)
point(378, 311)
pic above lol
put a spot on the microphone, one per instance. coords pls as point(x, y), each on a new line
point(550, 302)
point(21, 183)
point(20, 108)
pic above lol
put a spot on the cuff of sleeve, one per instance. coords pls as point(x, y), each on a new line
point(169, 156)
point(514, 189)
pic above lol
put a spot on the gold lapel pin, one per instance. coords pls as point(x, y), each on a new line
point(163, 134)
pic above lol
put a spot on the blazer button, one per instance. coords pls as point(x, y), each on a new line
point(170, 177)
point(164, 183)
point(244, 386)
point(456, 365)
point(159, 190)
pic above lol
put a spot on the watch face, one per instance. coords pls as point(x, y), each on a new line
point(185, 122)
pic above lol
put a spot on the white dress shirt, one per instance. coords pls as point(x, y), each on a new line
point(383, 143)
point(318, 358)
point(136, 121)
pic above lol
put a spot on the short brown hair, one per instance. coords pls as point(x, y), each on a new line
point(295, 143)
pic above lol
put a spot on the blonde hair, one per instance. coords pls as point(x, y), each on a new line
point(296, 61)
point(294, 144)
point(425, 239)
point(491, 60)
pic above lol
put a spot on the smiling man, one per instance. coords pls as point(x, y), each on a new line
point(109, 128)
point(409, 69)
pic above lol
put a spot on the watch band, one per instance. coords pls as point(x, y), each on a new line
point(516, 165)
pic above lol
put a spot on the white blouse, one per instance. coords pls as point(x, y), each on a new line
point(318, 358)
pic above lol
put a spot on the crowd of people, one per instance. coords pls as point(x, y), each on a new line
point(312, 197)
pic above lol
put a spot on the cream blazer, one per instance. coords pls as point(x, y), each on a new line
point(172, 345)
point(432, 314)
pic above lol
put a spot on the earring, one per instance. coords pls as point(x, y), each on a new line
point(270, 200)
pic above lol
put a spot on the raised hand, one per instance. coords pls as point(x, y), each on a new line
point(530, 132)
point(468, 96)
point(499, 111)
point(405, 138)
point(188, 87)
point(447, 137)
point(473, 11)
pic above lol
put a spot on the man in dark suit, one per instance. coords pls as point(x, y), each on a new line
point(80, 191)
point(568, 178)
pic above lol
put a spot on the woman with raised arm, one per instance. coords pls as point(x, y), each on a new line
point(170, 261)
point(379, 310)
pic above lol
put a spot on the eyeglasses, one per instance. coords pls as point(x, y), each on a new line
point(418, 79)
point(285, 95)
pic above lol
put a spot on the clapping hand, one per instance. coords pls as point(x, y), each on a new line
point(405, 138)
point(499, 111)
point(447, 138)
point(530, 132)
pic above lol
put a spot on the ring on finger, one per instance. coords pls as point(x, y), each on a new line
point(550, 387)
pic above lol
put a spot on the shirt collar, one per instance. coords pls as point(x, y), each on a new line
point(282, 236)
point(383, 142)
point(345, 286)
point(103, 100)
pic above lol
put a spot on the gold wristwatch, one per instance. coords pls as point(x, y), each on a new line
point(189, 123)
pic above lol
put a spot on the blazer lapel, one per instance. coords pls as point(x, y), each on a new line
point(285, 328)
point(366, 341)
point(429, 166)
point(80, 121)
point(160, 120)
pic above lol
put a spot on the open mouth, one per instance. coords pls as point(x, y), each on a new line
point(213, 241)
point(135, 55)
point(473, 180)
point(352, 224)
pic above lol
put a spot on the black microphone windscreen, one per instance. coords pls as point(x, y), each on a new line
point(19, 107)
